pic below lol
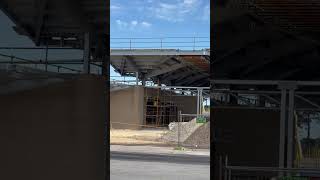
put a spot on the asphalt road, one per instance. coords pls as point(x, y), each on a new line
point(138, 166)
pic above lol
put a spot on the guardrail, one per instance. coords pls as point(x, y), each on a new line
point(186, 43)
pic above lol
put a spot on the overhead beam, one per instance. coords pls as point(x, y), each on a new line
point(157, 72)
point(278, 54)
point(74, 10)
point(131, 62)
point(200, 77)
point(165, 59)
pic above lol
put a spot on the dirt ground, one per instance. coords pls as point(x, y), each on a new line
point(137, 137)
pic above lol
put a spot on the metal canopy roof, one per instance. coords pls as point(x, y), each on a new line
point(59, 22)
point(171, 67)
point(257, 43)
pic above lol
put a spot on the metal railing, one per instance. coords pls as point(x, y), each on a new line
point(10, 59)
point(185, 43)
point(229, 172)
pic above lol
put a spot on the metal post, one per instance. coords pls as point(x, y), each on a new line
point(137, 78)
point(46, 60)
point(229, 174)
point(194, 43)
point(86, 53)
point(198, 102)
point(282, 129)
point(225, 168)
point(201, 102)
point(290, 144)
point(179, 122)
point(220, 167)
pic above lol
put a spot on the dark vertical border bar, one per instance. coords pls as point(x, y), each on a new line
point(212, 45)
point(106, 74)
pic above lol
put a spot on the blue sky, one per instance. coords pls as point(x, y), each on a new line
point(134, 18)
point(159, 18)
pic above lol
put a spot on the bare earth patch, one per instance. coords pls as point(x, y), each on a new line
point(137, 137)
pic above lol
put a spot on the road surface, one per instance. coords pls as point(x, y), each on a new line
point(141, 166)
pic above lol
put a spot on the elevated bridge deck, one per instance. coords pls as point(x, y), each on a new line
point(169, 66)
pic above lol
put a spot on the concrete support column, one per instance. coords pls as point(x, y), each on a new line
point(86, 54)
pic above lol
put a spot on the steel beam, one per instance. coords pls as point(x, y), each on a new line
point(158, 72)
point(264, 82)
point(132, 63)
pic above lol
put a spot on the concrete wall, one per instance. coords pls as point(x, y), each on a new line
point(126, 108)
point(54, 132)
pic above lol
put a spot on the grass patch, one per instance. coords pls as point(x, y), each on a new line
point(179, 148)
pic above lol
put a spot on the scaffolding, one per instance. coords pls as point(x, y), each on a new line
point(162, 104)
point(160, 108)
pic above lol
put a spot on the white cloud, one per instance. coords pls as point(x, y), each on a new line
point(176, 11)
point(206, 13)
point(121, 24)
point(115, 7)
point(133, 25)
point(145, 24)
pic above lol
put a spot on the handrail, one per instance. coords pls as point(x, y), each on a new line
point(272, 169)
point(194, 43)
point(36, 62)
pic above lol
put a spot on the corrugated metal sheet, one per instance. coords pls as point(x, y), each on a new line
point(198, 61)
point(295, 14)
